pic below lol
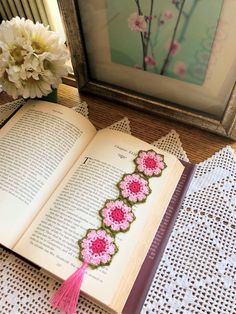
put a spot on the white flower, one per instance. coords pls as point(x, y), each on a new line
point(137, 23)
point(32, 58)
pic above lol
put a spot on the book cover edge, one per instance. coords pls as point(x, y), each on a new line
point(148, 269)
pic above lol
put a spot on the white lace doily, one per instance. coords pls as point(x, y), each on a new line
point(198, 269)
point(171, 143)
point(121, 125)
point(197, 273)
point(82, 108)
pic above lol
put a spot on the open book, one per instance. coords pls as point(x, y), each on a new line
point(56, 172)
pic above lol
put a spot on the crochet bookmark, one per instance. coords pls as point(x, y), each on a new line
point(98, 246)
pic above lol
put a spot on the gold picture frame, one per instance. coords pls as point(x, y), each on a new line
point(88, 82)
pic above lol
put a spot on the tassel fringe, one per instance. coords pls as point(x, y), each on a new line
point(67, 296)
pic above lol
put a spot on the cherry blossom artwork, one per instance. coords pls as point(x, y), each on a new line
point(165, 37)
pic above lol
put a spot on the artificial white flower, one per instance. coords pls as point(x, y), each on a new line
point(32, 58)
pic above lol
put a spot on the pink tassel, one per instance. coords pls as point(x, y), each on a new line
point(67, 296)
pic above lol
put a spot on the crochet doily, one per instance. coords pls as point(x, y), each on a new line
point(82, 108)
point(197, 273)
point(198, 269)
point(171, 143)
point(121, 125)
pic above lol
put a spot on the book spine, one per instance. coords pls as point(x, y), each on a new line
point(148, 269)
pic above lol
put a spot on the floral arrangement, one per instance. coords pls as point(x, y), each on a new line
point(32, 59)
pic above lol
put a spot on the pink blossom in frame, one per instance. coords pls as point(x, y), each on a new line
point(168, 14)
point(150, 18)
point(117, 215)
point(180, 69)
point(174, 47)
point(137, 23)
point(150, 163)
point(149, 60)
point(134, 188)
point(97, 247)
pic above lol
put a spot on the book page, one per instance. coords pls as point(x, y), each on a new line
point(6, 110)
point(51, 241)
point(37, 148)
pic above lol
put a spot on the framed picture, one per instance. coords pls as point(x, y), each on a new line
point(175, 58)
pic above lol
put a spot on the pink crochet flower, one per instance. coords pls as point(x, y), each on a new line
point(117, 216)
point(150, 163)
point(97, 247)
point(134, 188)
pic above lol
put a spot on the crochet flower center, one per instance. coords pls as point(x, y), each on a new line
point(134, 187)
point(150, 163)
point(98, 246)
point(117, 215)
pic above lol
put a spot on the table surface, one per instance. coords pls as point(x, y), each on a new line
point(198, 144)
